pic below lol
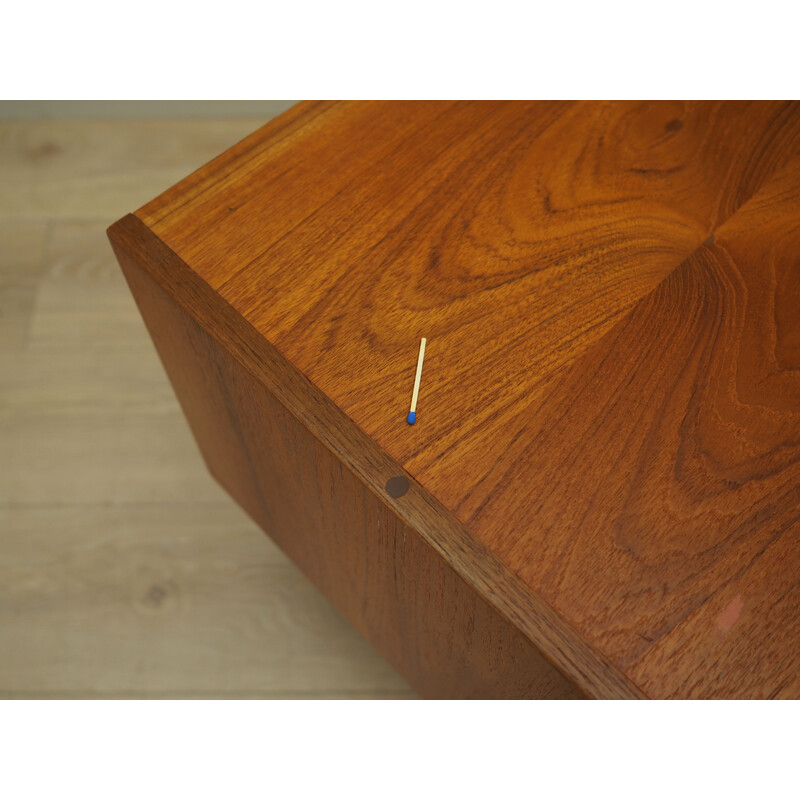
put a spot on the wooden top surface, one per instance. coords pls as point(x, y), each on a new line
point(610, 401)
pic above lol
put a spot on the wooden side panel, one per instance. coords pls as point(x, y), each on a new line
point(418, 613)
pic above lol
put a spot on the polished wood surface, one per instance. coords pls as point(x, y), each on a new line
point(412, 605)
point(609, 408)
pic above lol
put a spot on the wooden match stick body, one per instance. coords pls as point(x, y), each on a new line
point(412, 414)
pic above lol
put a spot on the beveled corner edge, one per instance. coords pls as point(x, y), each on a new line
point(563, 646)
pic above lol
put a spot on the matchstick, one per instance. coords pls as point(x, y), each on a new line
point(412, 415)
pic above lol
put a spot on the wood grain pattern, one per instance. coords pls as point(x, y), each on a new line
point(689, 409)
point(385, 578)
point(607, 418)
point(484, 213)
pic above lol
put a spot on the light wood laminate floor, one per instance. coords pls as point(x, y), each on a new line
point(125, 571)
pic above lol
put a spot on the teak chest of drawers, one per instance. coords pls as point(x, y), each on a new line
point(601, 493)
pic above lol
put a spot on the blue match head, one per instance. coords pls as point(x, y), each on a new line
point(412, 416)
